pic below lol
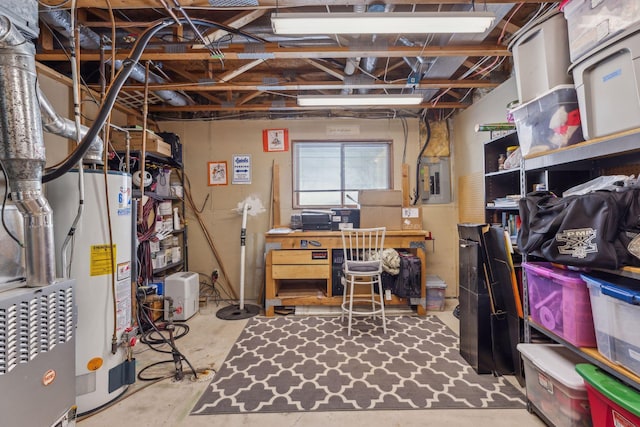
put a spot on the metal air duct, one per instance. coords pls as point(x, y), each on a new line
point(53, 123)
point(22, 151)
point(89, 39)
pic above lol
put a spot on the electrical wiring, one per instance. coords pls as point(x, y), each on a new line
point(148, 339)
point(208, 288)
point(164, 340)
point(145, 233)
point(114, 90)
point(424, 147)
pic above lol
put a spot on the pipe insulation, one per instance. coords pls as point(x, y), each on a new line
point(22, 151)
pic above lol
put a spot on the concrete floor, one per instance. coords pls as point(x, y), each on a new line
point(168, 403)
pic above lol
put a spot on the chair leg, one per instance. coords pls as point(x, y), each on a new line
point(344, 296)
point(384, 318)
point(350, 314)
point(373, 299)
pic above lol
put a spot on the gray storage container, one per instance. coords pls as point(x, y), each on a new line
point(541, 57)
point(593, 22)
point(607, 84)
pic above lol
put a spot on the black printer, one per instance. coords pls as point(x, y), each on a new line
point(316, 220)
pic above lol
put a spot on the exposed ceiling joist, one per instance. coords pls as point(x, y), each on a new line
point(271, 51)
point(246, 86)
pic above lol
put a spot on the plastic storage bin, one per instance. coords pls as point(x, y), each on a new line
point(559, 301)
point(549, 121)
point(553, 385)
point(608, 88)
point(615, 316)
point(541, 57)
point(436, 288)
point(612, 403)
point(592, 22)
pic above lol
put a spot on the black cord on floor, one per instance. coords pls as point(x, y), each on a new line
point(178, 356)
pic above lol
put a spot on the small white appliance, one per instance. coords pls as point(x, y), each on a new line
point(184, 288)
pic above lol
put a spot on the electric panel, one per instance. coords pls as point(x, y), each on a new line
point(435, 177)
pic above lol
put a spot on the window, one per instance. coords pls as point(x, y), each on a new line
point(330, 173)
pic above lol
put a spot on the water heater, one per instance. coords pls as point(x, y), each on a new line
point(184, 289)
point(103, 306)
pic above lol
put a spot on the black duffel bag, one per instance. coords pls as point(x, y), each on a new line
point(590, 230)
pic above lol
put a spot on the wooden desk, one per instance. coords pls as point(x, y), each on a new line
point(296, 260)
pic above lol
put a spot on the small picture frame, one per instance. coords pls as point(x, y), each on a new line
point(218, 173)
point(275, 140)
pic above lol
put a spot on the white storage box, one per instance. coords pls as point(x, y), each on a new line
point(553, 385)
point(541, 58)
point(592, 22)
point(548, 122)
point(607, 83)
point(184, 288)
point(436, 288)
point(615, 316)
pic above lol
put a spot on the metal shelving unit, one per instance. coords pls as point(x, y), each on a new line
point(596, 156)
point(160, 161)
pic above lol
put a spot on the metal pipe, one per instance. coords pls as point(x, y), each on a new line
point(138, 73)
point(89, 39)
point(22, 151)
point(53, 123)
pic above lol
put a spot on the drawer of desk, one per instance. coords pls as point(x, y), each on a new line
point(300, 256)
point(300, 272)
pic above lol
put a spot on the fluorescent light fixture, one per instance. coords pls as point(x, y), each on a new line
point(381, 22)
point(357, 100)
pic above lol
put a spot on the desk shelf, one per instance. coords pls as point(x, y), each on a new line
point(283, 284)
point(293, 288)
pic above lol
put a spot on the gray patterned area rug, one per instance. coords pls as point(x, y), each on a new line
point(292, 364)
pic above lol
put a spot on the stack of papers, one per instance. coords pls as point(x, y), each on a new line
point(281, 230)
point(510, 201)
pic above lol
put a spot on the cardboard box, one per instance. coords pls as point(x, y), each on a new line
point(412, 218)
point(155, 144)
point(380, 198)
point(381, 216)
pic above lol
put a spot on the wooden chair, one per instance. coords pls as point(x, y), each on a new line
point(363, 266)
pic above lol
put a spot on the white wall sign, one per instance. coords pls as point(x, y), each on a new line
point(343, 130)
point(241, 169)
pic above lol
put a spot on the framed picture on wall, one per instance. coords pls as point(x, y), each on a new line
point(218, 173)
point(275, 140)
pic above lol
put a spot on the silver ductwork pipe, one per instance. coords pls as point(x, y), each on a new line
point(416, 64)
point(138, 73)
point(22, 151)
point(60, 20)
point(53, 123)
point(369, 63)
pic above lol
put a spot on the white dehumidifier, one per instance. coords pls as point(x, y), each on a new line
point(184, 288)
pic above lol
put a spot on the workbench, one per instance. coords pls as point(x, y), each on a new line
point(299, 268)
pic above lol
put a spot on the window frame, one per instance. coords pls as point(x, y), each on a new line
point(295, 202)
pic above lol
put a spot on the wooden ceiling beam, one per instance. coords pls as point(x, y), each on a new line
point(292, 106)
point(192, 77)
point(239, 70)
point(237, 21)
point(140, 4)
point(296, 86)
point(330, 71)
point(273, 51)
